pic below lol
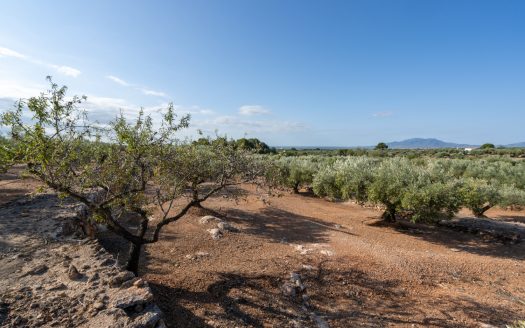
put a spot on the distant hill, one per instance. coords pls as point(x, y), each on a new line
point(516, 145)
point(424, 143)
point(429, 143)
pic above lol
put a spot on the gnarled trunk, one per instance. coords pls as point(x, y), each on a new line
point(390, 213)
point(480, 212)
point(134, 258)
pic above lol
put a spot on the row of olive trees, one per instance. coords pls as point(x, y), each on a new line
point(422, 189)
point(123, 169)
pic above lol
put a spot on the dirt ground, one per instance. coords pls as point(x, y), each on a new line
point(301, 261)
point(356, 271)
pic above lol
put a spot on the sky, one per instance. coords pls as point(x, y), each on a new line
point(291, 73)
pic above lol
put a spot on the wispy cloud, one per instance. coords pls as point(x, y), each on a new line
point(383, 114)
point(66, 70)
point(118, 80)
point(248, 110)
point(62, 69)
point(143, 90)
point(254, 126)
point(14, 90)
point(5, 52)
point(149, 92)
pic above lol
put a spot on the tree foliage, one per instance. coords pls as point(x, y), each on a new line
point(381, 146)
point(421, 188)
point(129, 168)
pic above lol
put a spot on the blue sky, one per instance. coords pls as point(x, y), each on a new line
point(323, 73)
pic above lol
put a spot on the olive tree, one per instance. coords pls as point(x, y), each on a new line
point(432, 200)
point(512, 197)
point(479, 196)
point(126, 169)
point(391, 180)
point(347, 178)
point(297, 172)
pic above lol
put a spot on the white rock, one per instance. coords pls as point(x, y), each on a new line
point(327, 252)
point(215, 233)
point(225, 226)
point(208, 218)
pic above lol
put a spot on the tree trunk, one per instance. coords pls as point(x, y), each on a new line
point(195, 197)
point(390, 213)
point(480, 212)
point(296, 188)
point(134, 258)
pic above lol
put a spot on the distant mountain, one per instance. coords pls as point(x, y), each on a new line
point(424, 143)
point(516, 145)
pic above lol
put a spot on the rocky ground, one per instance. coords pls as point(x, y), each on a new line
point(51, 276)
point(296, 261)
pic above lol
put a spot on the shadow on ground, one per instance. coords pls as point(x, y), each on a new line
point(461, 240)
point(343, 298)
point(282, 226)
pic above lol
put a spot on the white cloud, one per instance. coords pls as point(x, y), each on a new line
point(5, 52)
point(255, 126)
point(62, 69)
point(137, 87)
point(15, 90)
point(153, 92)
point(383, 114)
point(118, 80)
point(248, 110)
point(66, 70)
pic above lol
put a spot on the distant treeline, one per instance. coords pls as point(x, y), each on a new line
point(252, 144)
point(409, 153)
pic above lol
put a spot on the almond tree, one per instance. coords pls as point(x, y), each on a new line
point(121, 170)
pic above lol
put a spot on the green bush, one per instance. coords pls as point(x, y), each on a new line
point(478, 195)
point(432, 201)
point(391, 180)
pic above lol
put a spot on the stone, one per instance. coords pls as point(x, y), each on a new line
point(326, 252)
point(129, 283)
point(129, 298)
point(73, 273)
point(225, 226)
point(98, 306)
point(208, 218)
point(121, 278)
point(288, 290)
point(294, 276)
point(38, 270)
point(94, 277)
point(108, 261)
point(57, 286)
point(215, 233)
point(139, 283)
point(149, 319)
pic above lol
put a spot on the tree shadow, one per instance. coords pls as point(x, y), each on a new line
point(474, 243)
point(282, 226)
point(343, 297)
point(8, 196)
point(511, 218)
